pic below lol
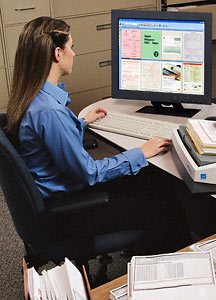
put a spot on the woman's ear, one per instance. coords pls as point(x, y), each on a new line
point(57, 54)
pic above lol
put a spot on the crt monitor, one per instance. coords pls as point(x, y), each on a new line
point(163, 57)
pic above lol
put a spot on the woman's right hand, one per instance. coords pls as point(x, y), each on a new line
point(155, 146)
point(95, 114)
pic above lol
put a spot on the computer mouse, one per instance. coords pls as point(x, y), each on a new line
point(90, 144)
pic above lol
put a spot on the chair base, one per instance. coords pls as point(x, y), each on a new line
point(101, 275)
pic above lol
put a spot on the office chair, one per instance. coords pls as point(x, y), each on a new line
point(32, 216)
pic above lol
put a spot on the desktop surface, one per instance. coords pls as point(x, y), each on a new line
point(163, 161)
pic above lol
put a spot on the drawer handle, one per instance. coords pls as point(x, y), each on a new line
point(103, 27)
point(24, 8)
point(105, 97)
point(105, 63)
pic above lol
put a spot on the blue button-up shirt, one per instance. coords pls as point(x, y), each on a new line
point(51, 144)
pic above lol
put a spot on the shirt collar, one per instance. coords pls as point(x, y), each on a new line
point(58, 92)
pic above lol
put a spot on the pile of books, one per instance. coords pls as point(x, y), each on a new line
point(179, 276)
point(203, 135)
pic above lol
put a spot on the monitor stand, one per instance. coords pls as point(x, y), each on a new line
point(171, 109)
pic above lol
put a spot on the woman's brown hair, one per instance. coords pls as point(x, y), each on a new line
point(33, 60)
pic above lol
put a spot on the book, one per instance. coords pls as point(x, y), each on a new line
point(199, 148)
point(203, 135)
point(200, 160)
point(63, 282)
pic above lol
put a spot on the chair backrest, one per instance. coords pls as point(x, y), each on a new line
point(20, 191)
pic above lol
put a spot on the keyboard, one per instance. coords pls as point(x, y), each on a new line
point(134, 126)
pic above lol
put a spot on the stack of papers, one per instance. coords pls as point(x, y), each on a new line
point(207, 246)
point(179, 276)
point(203, 135)
point(120, 293)
point(63, 282)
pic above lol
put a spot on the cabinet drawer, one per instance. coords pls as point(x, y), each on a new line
point(213, 69)
point(90, 71)
point(21, 11)
point(213, 81)
point(211, 8)
point(83, 99)
point(172, 2)
point(214, 52)
point(91, 33)
point(78, 7)
point(1, 54)
point(3, 88)
point(11, 37)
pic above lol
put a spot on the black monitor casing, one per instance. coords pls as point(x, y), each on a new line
point(164, 97)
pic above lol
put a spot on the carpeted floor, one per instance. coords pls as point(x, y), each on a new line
point(11, 251)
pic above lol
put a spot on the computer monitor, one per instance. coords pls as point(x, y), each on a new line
point(164, 57)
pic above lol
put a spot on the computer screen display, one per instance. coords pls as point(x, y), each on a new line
point(164, 57)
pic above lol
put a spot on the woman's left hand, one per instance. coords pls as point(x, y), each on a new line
point(94, 114)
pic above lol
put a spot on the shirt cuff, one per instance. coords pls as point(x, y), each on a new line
point(136, 160)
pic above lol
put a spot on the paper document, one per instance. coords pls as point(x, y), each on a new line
point(210, 128)
point(208, 246)
point(172, 270)
point(63, 282)
point(179, 276)
point(119, 293)
point(203, 130)
point(76, 282)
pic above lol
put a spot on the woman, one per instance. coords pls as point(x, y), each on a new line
point(50, 137)
point(49, 134)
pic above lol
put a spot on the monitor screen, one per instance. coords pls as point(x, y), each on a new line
point(164, 57)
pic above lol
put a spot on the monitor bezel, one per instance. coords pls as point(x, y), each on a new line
point(163, 97)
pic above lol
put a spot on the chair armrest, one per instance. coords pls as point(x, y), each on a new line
point(76, 203)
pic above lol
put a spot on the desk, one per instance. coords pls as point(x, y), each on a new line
point(164, 161)
point(198, 207)
point(102, 292)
